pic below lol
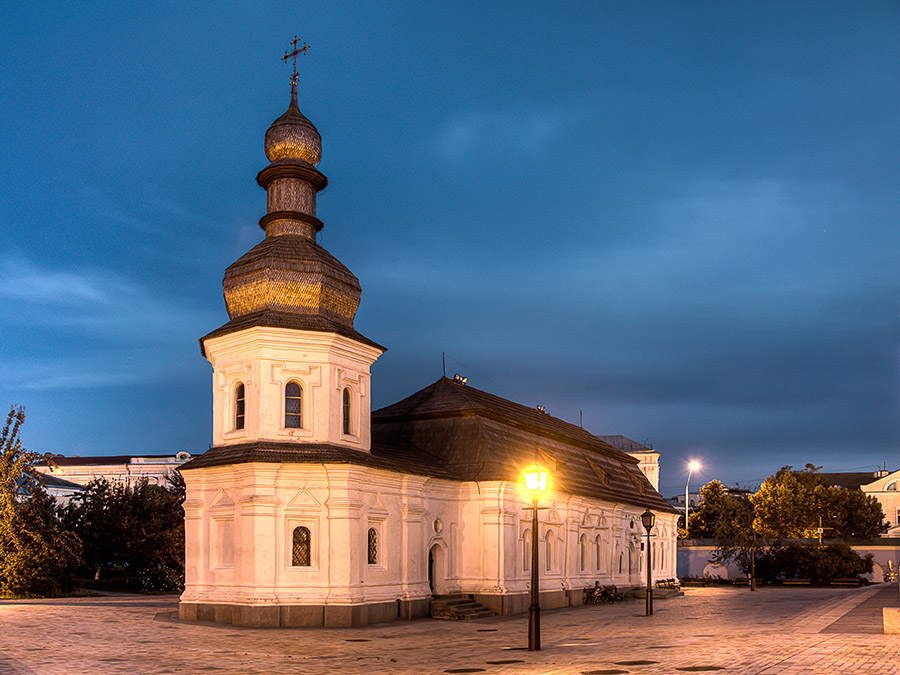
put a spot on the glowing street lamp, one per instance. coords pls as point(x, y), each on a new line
point(535, 484)
point(692, 467)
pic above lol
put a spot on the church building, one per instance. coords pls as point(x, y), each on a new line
point(310, 509)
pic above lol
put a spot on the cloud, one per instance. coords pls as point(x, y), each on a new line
point(87, 328)
point(524, 131)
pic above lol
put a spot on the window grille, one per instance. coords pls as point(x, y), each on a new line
point(301, 554)
point(239, 407)
point(293, 406)
point(373, 546)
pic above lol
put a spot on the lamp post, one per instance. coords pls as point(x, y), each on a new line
point(752, 558)
point(648, 520)
point(535, 484)
point(692, 467)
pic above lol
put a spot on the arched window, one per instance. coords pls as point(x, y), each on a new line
point(526, 550)
point(630, 559)
point(584, 552)
point(892, 487)
point(346, 411)
point(621, 561)
point(301, 553)
point(548, 563)
point(293, 406)
point(239, 406)
point(373, 546)
point(597, 553)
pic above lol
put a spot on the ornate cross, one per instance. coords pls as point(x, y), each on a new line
point(297, 50)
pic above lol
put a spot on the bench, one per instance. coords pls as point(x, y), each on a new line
point(673, 584)
point(597, 594)
point(796, 582)
point(852, 582)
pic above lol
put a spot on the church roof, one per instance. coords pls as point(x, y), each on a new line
point(479, 436)
point(274, 319)
point(457, 432)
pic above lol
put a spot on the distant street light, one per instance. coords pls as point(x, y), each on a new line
point(648, 519)
point(692, 467)
point(535, 484)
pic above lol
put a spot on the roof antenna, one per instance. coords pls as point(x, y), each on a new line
point(444, 363)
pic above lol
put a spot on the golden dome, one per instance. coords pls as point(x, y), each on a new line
point(293, 136)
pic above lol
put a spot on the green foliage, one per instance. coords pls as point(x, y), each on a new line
point(37, 557)
point(819, 564)
point(138, 527)
point(720, 515)
point(791, 503)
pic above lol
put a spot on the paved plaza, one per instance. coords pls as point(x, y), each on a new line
point(726, 630)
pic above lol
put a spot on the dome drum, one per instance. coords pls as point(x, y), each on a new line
point(292, 168)
point(289, 194)
point(277, 223)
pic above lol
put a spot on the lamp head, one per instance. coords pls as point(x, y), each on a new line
point(535, 479)
point(694, 466)
point(648, 520)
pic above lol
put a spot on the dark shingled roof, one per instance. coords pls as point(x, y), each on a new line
point(273, 319)
point(460, 433)
point(849, 480)
point(625, 444)
point(480, 436)
point(62, 460)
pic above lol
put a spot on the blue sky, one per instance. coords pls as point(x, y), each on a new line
point(681, 218)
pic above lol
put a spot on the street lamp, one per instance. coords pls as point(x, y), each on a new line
point(648, 520)
point(535, 484)
point(692, 467)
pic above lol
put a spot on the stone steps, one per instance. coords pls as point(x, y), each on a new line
point(457, 607)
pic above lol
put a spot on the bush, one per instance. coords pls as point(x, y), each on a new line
point(806, 561)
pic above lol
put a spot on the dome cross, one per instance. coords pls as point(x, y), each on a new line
point(293, 54)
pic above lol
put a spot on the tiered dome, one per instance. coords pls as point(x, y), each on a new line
point(288, 279)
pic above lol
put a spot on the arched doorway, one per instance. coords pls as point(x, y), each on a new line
point(437, 580)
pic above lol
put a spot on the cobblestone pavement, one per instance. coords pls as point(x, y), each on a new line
point(729, 630)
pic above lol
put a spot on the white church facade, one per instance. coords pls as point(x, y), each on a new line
point(310, 509)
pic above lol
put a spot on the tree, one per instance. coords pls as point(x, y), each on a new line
point(37, 557)
point(791, 503)
point(138, 527)
point(720, 515)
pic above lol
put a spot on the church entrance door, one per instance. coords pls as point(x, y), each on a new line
point(436, 580)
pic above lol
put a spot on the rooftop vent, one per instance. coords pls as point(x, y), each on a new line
point(541, 409)
point(459, 379)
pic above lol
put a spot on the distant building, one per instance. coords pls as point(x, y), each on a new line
point(648, 458)
point(60, 489)
point(884, 489)
point(115, 468)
